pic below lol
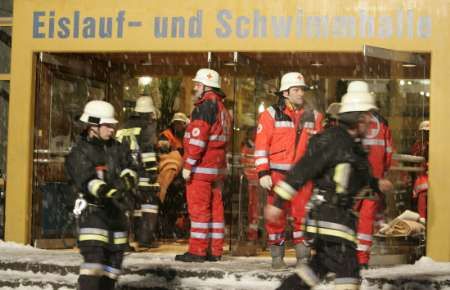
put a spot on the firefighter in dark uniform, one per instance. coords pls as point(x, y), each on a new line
point(139, 133)
point(100, 169)
point(338, 165)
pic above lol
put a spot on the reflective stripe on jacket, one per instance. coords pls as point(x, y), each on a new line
point(282, 136)
point(206, 137)
point(379, 143)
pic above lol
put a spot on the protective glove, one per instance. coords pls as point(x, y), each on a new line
point(107, 191)
point(126, 182)
point(266, 182)
point(186, 173)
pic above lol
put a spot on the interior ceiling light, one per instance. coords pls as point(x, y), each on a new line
point(317, 63)
point(230, 63)
point(408, 65)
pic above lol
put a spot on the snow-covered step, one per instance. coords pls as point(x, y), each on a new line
point(25, 267)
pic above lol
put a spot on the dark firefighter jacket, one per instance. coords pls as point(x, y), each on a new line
point(339, 168)
point(140, 136)
point(94, 168)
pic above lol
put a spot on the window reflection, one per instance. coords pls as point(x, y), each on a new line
point(6, 8)
point(5, 49)
point(250, 81)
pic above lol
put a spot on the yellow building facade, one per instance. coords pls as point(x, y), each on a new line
point(138, 26)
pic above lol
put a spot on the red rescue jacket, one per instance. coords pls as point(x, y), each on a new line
point(282, 136)
point(206, 137)
point(379, 144)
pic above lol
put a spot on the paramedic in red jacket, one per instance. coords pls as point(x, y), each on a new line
point(205, 144)
point(378, 143)
point(282, 136)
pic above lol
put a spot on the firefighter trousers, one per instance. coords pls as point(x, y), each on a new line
point(205, 207)
point(296, 207)
point(100, 269)
point(330, 257)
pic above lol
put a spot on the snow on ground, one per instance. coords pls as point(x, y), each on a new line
point(231, 273)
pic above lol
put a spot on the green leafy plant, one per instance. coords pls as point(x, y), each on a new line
point(169, 89)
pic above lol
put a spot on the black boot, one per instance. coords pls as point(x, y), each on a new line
point(188, 257)
point(293, 282)
point(211, 258)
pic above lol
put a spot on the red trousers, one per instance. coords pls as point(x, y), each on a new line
point(296, 207)
point(205, 209)
point(422, 204)
point(367, 212)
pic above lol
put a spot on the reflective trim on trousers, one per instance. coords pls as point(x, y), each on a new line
point(280, 166)
point(93, 234)
point(137, 213)
point(197, 142)
point(150, 208)
point(112, 273)
point(331, 232)
point(207, 170)
point(363, 248)
point(284, 124)
point(92, 269)
point(199, 225)
point(373, 142)
point(120, 238)
point(331, 225)
point(216, 235)
point(274, 237)
point(217, 225)
point(261, 153)
point(197, 235)
point(95, 231)
point(364, 237)
point(97, 269)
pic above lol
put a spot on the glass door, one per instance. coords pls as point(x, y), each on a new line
point(401, 83)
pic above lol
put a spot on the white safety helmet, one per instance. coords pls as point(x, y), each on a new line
point(358, 98)
point(98, 112)
point(424, 126)
point(145, 104)
point(208, 77)
point(292, 79)
point(179, 117)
